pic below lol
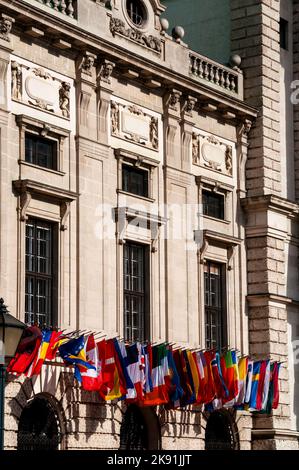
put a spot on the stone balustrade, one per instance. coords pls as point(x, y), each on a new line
point(216, 75)
point(66, 7)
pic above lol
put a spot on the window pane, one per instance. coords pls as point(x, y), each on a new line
point(213, 204)
point(39, 280)
point(214, 308)
point(40, 151)
point(134, 292)
point(135, 181)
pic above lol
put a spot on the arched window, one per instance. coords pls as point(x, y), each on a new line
point(39, 426)
point(133, 432)
point(221, 433)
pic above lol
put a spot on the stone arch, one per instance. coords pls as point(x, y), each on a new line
point(41, 424)
point(140, 429)
point(221, 432)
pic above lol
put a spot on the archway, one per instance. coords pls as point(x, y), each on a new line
point(140, 429)
point(221, 432)
point(39, 426)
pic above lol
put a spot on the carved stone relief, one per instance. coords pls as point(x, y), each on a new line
point(37, 87)
point(131, 123)
point(6, 23)
point(211, 152)
point(87, 63)
point(105, 72)
point(118, 26)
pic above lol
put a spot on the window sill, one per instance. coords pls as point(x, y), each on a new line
point(48, 170)
point(223, 221)
point(143, 198)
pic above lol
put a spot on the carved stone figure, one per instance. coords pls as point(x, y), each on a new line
point(42, 73)
point(229, 159)
point(87, 63)
point(16, 81)
point(135, 110)
point(64, 99)
point(195, 148)
point(6, 23)
point(154, 133)
point(114, 117)
point(106, 71)
point(174, 100)
point(118, 26)
point(190, 105)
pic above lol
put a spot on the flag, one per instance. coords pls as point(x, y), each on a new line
point(188, 377)
point(113, 385)
point(136, 369)
point(181, 366)
point(200, 369)
point(148, 360)
point(261, 383)
point(121, 352)
point(275, 380)
point(243, 367)
point(221, 389)
point(73, 352)
point(92, 379)
point(159, 394)
point(249, 381)
point(266, 385)
point(229, 367)
point(209, 385)
point(27, 351)
point(37, 363)
point(254, 388)
point(194, 374)
point(175, 391)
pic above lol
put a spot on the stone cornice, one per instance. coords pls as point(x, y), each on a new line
point(82, 39)
point(270, 202)
point(274, 434)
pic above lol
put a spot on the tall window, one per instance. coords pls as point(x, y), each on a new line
point(40, 285)
point(215, 314)
point(135, 292)
point(213, 204)
point(40, 151)
point(284, 33)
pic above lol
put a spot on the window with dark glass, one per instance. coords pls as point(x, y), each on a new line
point(284, 33)
point(213, 204)
point(215, 312)
point(136, 12)
point(40, 286)
point(40, 151)
point(135, 180)
point(135, 292)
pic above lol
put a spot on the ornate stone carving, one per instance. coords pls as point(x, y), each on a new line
point(64, 99)
point(118, 26)
point(42, 73)
point(16, 81)
point(229, 159)
point(195, 148)
point(65, 208)
point(174, 99)
point(189, 105)
point(130, 122)
point(87, 63)
point(154, 133)
point(246, 127)
point(25, 199)
point(6, 23)
point(114, 118)
point(106, 71)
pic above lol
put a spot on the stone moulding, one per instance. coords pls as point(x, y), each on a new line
point(118, 26)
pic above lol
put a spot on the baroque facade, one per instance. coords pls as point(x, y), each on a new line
point(122, 147)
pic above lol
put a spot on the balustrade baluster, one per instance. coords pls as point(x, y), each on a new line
point(62, 6)
point(212, 74)
point(217, 76)
point(200, 69)
point(70, 9)
point(55, 5)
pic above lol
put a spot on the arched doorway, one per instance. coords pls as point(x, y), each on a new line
point(139, 429)
point(39, 426)
point(221, 432)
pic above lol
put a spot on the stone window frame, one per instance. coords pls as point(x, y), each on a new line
point(35, 127)
point(139, 161)
point(223, 189)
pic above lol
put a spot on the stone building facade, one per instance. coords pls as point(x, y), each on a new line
point(121, 146)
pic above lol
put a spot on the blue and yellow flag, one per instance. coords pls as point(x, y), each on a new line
point(73, 352)
point(255, 384)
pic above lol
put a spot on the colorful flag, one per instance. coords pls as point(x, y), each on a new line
point(249, 381)
point(229, 367)
point(92, 379)
point(73, 352)
point(159, 394)
point(275, 380)
point(113, 387)
point(220, 386)
point(136, 368)
point(121, 351)
point(243, 367)
point(175, 391)
point(37, 363)
point(148, 360)
point(254, 388)
point(27, 351)
point(266, 386)
point(209, 390)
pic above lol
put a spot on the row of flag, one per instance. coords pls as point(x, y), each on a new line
point(151, 375)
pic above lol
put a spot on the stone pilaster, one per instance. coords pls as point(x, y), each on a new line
point(295, 96)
